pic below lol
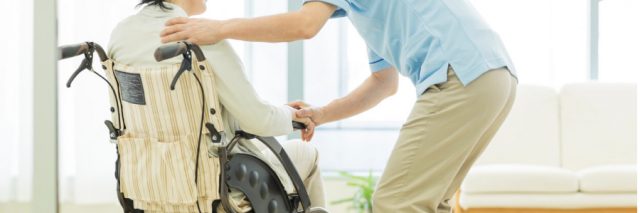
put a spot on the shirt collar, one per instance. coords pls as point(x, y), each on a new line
point(158, 12)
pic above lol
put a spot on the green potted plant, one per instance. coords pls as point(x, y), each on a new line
point(361, 199)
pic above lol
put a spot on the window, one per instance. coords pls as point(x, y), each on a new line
point(86, 157)
point(267, 62)
point(619, 44)
point(392, 112)
point(16, 102)
point(336, 63)
point(546, 39)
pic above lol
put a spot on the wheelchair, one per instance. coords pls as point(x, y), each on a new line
point(243, 172)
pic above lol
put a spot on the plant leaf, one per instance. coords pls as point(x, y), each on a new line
point(344, 200)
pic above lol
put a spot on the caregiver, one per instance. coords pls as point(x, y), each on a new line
point(464, 79)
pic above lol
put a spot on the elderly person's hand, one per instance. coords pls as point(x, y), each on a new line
point(306, 111)
point(194, 30)
point(307, 133)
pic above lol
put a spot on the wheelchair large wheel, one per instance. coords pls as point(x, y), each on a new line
point(261, 185)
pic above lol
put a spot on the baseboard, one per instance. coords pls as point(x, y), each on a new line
point(64, 207)
point(542, 210)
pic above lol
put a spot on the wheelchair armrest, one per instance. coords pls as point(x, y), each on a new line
point(298, 125)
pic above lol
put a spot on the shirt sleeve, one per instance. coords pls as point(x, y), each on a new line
point(341, 10)
point(240, 99)
point(376, 62)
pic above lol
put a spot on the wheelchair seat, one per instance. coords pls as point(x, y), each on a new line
point(161, 115)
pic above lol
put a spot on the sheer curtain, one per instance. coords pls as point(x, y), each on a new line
point(86, 156)
point(619, 42)
point(16, 101)
point(547, 40)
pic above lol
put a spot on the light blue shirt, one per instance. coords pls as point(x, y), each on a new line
point(421, 38)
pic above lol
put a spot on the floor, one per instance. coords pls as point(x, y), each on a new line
point(64, 208)
point(335, 189)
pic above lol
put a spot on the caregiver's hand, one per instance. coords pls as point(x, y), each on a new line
point(307, 133)
point(305, 110)
point(194, 30)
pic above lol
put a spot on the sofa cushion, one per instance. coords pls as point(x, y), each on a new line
point(519, 178)
point(608, 179)
point(529, 135)
point(598, 124)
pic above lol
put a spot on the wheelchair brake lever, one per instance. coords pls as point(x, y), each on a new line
point(113, 132)
point(85, 64)
point(214, 135)
point(185, 66)
point(216, 140)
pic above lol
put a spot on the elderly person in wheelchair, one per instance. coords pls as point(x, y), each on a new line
point(160, 121)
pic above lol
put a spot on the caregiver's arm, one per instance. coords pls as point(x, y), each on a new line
point(372, 91)
point(302, 24)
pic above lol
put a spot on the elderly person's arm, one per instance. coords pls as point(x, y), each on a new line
point(302, 24)
point(238, 96)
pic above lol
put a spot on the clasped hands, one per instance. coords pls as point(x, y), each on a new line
point(310, 116)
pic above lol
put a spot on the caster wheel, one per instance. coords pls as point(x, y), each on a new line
point(318, 210)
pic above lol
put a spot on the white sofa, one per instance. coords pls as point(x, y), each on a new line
point(568, 150)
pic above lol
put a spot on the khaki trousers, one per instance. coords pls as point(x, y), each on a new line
point(448, 128)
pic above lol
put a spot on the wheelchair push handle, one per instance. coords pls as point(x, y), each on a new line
point(183, 48)
point(169, 51)
point(68, 51)
point(179, 48)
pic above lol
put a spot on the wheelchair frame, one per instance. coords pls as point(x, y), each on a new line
point(240, 171)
